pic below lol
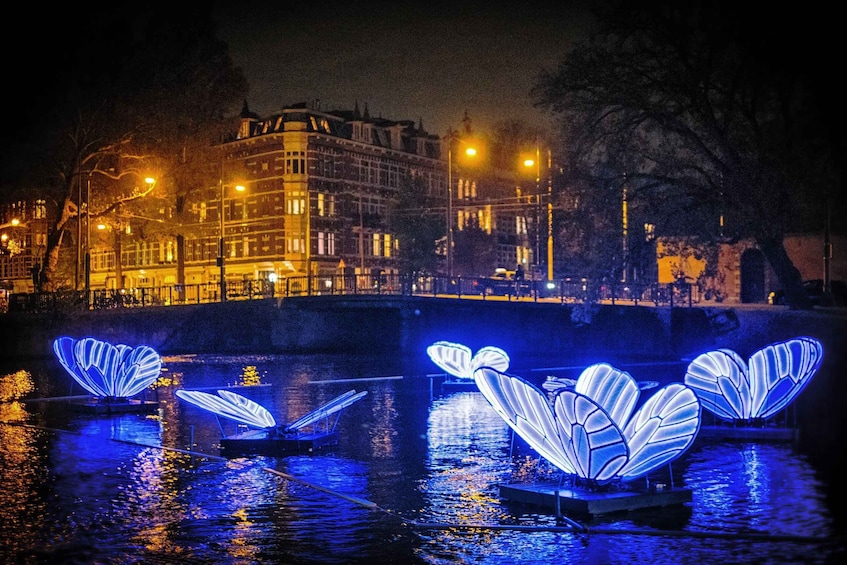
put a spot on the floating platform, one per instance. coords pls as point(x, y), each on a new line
point(586, 503)
point(236, 388)
point(459, 385)
point(766, 433)
point(271, 444)
point(96, 406)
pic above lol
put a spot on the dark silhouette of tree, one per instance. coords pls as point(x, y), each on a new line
point(122, 94)
point(418, 222)
point(475, 251)
point(701, 110)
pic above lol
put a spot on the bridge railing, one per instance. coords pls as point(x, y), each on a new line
point(559, 290)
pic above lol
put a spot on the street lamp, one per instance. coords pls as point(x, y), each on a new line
point(5, 240)
point(151, 183)
point(471, 152)
point(87, 263)
point(537, 164)
point(221, 264)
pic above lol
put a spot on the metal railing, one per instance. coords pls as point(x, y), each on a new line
point(481, 288)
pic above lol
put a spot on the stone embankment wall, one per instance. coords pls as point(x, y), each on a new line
point(406, 325)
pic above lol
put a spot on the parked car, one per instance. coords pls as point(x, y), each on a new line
point(501, 283)
point(814, 290)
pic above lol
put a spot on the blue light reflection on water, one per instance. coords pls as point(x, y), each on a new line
point(420, 454)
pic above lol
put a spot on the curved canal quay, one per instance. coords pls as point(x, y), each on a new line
point(414, 475)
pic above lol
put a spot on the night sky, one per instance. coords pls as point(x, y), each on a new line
point(422, 61)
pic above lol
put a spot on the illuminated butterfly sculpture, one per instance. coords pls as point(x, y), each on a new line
point(458, 360)
point(244, 411)
point(593, 431)
point(106, 370)
point(757, 390)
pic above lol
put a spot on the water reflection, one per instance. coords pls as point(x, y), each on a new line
point(413, 480)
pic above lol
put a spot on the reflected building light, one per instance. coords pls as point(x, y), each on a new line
point(757, 390)
point(106, 370)
point(591, 431)
point(458, 360)
point(466, 443)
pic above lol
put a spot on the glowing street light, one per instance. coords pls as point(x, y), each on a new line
point(8, 245)
point(221, 264)
point(536, 162)
point(151, 183)
point(470, 152)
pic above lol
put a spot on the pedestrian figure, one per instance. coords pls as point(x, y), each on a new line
point(518, 279)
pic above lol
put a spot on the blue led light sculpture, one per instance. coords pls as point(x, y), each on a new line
point(757, 390)
point(244, 411)
point(458, 360)
point(590, 431)
point(106, 370)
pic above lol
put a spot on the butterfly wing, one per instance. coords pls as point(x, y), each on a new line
point(490, 356)
point(91, 362)
point(138, 368)
point(325, 411)
point(453, 358)
point(528, 413)
point(614, 390)
point(719, 378)
point(65, 350)
point(662, 429)
point(780, 371)
point(230, 405)
point(595, 444)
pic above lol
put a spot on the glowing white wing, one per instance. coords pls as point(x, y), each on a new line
point(107, 370)
point(527, 411)
point(776, 374)
point(597, 447)
point(579, 435)
point(720, 380)
point(661, 430)
point(614, 390)
point(335, 405)
point(780, 371)
point(490, 356)
point(230, 405)
point(457, 360)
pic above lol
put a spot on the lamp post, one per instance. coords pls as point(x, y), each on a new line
point(221, 239)
point(450, 210)
point(88, 239)
point(536, 162)
point(549, 215)
point(470, 151)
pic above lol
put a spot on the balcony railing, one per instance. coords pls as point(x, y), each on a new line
point(561, 290)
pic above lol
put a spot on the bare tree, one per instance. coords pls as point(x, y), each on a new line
point(139, 91)
point(698, 118)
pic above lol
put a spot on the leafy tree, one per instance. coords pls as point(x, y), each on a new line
point(510, 140)
point(699, 117)
point(475, 251)
point(133, 91)
point(418, 222)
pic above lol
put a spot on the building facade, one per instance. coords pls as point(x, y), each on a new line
point(301, 192)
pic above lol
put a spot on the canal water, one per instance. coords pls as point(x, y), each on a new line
point(413, 479)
